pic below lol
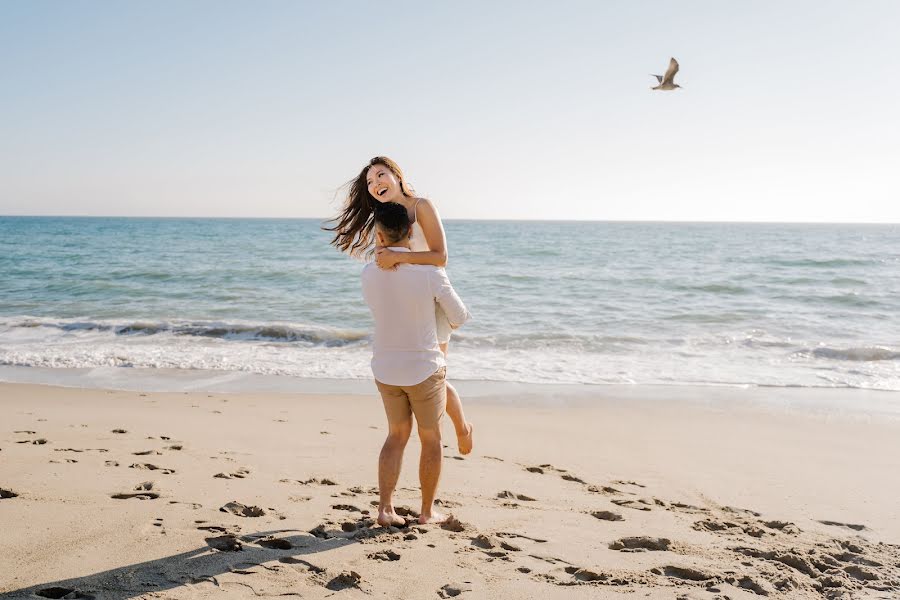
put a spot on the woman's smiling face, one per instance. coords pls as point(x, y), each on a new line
point(382, 184)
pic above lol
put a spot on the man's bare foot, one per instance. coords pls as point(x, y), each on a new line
point(465, 440)
point(432, 517)
point(388, 518)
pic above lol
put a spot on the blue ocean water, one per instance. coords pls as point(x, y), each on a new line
point(554, 302)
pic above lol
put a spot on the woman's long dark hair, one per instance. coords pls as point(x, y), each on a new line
point(353, 226)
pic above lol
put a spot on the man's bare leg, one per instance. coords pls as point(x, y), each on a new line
point(455, 412)
point(389, 463)
point(430, 473)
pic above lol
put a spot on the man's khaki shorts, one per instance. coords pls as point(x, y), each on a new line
point(427, 400)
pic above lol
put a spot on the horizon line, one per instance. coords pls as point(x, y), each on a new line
point(522, 220)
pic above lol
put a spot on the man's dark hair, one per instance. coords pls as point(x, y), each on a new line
point(393, 220)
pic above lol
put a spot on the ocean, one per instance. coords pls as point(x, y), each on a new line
point(794, 305)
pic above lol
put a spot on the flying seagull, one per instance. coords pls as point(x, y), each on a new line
point(665, 81)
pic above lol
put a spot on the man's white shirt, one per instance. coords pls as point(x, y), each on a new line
point(405, 348)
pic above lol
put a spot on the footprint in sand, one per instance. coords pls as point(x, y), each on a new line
point(385, 555)
point(640, 543)
point(313, 481)
point(452, 590)
point(508, 495)
point(147, 452)
point(37, 442)
point(4, 493)
point(741, 511)
point(302, 565)
point(606, 515)
point(852, 526)
point(406, 511)
point(212, 528)
point(684, 573)
point(346, 507)
point(346, 580)
point(714, 526)
point(727, 527)
point(239, 474)
point(224, 543)
point(26, 432)
point(275, 543)
point(138, 495)
point(112, 463)
point(119, 431)
point(634, 483)
point(152, 467)
point(635, 504)
point(486, 542)
point(453, 524)
point(583, 575)
point(242, 510)
point(783, 527)
point(688, 508)
point(505, 534)
point(446, 503)
point(542, 469)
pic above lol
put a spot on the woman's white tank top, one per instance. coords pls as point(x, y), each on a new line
point(417, 241)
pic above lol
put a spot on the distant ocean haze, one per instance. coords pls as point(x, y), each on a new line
point(553, 302)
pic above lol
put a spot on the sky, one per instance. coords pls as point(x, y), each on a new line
point(494, 109)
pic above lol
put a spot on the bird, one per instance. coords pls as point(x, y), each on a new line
point(665, 81)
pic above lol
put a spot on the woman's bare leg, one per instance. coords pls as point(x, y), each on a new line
point(455, 412)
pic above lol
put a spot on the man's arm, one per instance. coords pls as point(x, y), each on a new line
point(446, 296)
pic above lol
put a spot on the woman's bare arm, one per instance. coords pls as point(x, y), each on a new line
point(430, 221)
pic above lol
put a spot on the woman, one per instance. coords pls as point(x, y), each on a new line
point(381, 180)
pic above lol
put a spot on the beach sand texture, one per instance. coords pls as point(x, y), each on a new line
point(110, 494)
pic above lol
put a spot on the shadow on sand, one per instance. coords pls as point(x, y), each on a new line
point(223, 553)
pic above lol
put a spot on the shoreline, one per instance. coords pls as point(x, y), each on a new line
point(854, 403)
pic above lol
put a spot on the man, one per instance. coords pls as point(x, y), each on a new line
point(407, 362)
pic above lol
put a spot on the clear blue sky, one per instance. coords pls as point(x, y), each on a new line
point(495, 109)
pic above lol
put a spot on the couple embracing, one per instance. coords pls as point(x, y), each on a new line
point(415, 310)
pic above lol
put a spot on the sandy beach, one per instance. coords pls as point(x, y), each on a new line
point(673, 493)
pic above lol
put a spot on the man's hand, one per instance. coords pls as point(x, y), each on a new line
point(386, 259)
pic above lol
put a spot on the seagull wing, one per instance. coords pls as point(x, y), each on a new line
point(670, 72)
point(659, 78)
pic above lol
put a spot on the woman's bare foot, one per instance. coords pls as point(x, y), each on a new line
point(465, 440)
point(433, 517)
point(388, 518)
